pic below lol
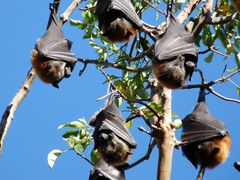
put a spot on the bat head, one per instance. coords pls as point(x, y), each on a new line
point(170, 73)
point(104, 171)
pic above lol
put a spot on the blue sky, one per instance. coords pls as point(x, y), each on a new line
point(33, 133)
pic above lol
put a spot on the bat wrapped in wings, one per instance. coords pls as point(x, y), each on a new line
point(104, 171)
point(175, 55)
point(111, 137)
point(206, 139)
point(51, 57)
point(117, 19)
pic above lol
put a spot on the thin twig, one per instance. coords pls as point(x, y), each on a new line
point(213, 49)
point(87, 8)
point(140, 128)
point(114, 65)
point(145, 157)
point(221, 96)
point(208, 86)
point(108, 94)
point(156, 9)
point(82, 156)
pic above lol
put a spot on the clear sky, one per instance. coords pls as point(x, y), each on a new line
point(33, 133)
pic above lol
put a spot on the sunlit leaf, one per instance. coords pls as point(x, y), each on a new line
point(52, 157)
point(129, 124)
point(74, 124)
point(177, 123)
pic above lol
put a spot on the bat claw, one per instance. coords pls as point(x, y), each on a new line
point(55, 84)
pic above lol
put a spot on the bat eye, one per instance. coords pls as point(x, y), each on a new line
point(103, 137)
point(48, 67)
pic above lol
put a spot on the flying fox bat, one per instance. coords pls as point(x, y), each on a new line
point(117, 20)
point(111, 137)
point(104, 171)
point(175, 55)
point(206, 139)
point(51, 57)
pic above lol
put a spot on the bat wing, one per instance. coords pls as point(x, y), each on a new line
point(119, 129)
point(190, 152)
point(104, 171)
point(53, 45)
point(201, 125)
point(110, 119)
point(125, 6)
point(175, 41)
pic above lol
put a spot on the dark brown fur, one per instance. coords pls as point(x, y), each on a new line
point(116, 28)
point(114, 150)
point(170, 74)
point(49, 71)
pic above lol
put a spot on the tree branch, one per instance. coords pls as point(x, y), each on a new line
point(64, 17)
point(144, 158)
point(188, 10)
point(208, 86)
point(113, 65)
point(224, 19)
point(23, 91)
point(82, 156)
point(9, 113)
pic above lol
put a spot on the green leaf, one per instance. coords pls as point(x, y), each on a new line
point(177, 123)
point(70, 133)
point(238, 89)
point(52, 157)
point(207, 37)
point(74, 124)
point(209, 58)
point(119, 101)
point(95, 156)
point(79, 146)
point(129, 124)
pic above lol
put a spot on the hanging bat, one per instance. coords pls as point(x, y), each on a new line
point(206, 139)
point(117, 20)
point(236, 5)
point(175, 55)
point(111, 137)
point(104, 171)
point(51, 57)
